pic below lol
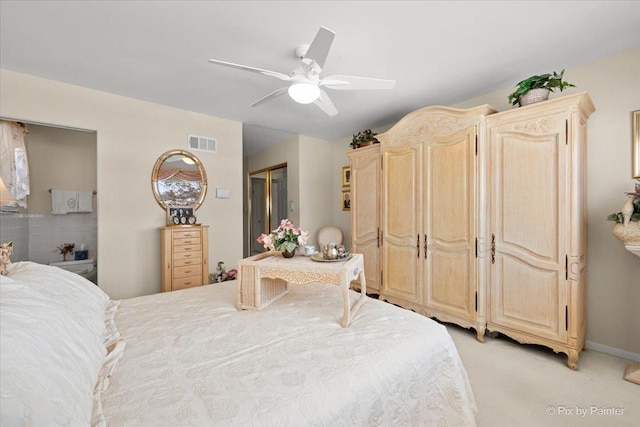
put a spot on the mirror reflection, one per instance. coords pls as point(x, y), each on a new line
point(179, 180)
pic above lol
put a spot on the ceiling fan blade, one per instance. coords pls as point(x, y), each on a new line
point(320, 46)
point(252, 69)
point(356, 83)
point(325, 104)
point(272, 95)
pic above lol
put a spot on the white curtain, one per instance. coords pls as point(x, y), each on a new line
point(14, 168)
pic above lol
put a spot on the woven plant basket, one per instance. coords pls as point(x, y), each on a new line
point(534, 95)
point(629, 234)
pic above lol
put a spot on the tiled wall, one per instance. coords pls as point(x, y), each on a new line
point(15, 228)
point(36, 237)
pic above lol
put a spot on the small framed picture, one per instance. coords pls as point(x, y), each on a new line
point(346, 200)
point(180, 215)
point(346, 176)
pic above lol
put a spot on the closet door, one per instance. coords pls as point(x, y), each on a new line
point(402, 244)
point(450, 223)
point(528, 224)
point(365, 211)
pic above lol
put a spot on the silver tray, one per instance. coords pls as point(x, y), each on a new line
point(318, 257)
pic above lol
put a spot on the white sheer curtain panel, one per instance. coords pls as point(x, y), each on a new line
point(14, 167)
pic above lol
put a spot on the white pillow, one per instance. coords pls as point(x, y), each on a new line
point(50, 358)
point(81, 298)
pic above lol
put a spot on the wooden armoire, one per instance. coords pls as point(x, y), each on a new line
point(478, 218)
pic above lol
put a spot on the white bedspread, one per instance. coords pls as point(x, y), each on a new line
point(192, 359)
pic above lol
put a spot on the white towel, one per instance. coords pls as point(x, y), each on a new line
point(85, 201)
point(63, 202)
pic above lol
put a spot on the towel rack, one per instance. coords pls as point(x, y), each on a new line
point(94, 191)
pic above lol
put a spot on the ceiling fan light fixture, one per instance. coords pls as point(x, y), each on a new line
point(304, 93)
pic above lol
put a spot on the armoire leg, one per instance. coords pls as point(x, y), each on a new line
point(572, 359)
point(481, 330)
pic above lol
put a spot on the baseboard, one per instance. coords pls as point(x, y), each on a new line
point(612, 351)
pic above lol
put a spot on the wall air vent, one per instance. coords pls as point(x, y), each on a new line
point(201, 143)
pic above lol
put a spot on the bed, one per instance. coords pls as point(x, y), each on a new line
point(71, 356)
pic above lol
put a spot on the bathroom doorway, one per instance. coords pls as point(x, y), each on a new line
point(59, 158)
point(268, 202)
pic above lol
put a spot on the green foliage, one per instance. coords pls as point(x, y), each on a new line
point(548, 81)
point(362, 137)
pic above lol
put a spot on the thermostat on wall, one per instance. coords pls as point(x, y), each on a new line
point(223, 193)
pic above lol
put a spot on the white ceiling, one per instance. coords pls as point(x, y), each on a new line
point(438, 52)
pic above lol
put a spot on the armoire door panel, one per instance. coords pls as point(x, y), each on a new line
point(450, 175)
point(401, 193)
point(370, 251)
point(529, 205)
point(449, 223)
point(400, 271)
point(401, 206)
point(451, 289)
point(528, 298)
point(365, 211)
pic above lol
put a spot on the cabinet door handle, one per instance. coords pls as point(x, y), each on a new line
point(493, 248)
point(425, 246)
point(418, 245)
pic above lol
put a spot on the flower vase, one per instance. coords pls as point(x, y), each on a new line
point(288, 254)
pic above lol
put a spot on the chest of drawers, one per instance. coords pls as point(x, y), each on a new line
point(184, 255)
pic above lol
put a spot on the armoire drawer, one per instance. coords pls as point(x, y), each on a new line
point(187, 248)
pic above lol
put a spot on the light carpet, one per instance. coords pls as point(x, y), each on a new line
point(529, 385)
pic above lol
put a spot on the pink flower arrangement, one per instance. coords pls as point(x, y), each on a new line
point(286, 237)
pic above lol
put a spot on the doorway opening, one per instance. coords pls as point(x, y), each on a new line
point(268, 203)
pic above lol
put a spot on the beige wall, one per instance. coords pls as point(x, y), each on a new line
point(613, 272)
point(62, 159)
point(131, 135)
point(285, 152)
point(309, 186)
point(316, 184)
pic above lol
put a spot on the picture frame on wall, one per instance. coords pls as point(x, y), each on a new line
point(346, 176)
point(635, 148)
point(346, 200)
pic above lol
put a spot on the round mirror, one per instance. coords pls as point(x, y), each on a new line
point(179, 179)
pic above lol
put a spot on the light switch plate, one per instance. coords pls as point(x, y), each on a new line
point(223, 193)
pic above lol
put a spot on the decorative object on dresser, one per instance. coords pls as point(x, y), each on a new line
point(182, 215)
point(461, 215)
point(184, 253)
point(537, 88)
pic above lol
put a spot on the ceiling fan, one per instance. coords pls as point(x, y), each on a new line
point(306, 85)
